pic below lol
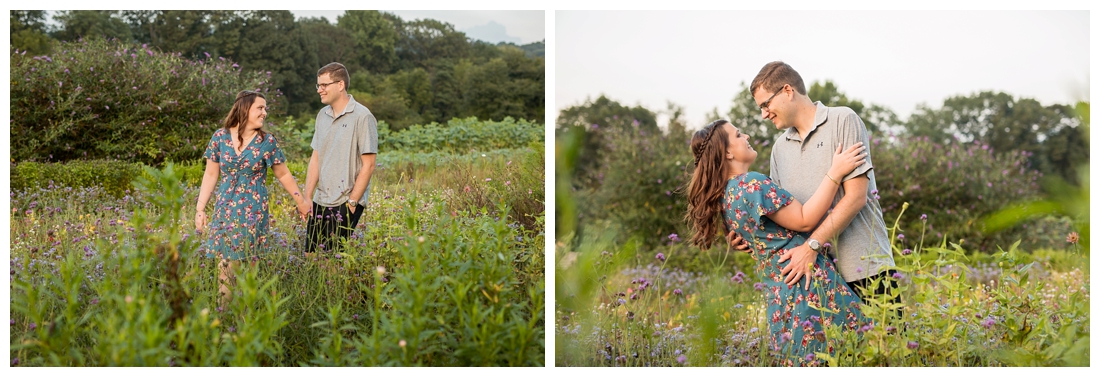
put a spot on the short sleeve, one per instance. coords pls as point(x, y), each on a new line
point(763, 196)
point(368, 135)
point(213, 153)
point(774, 167)
point(851, 130)
point(272, 154)
point(315, 144)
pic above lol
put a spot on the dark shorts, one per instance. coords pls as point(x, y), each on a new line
point(329, 226)
point(863, 287)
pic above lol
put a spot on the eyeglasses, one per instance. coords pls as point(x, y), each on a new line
point(325, 86)
point(764, 106)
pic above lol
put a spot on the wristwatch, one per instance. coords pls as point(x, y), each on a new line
point(814, 245)
point(352, 204)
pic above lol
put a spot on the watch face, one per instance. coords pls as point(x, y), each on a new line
point(815, 245)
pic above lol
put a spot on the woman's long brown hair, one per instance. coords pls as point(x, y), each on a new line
point(704, 191)
point(238, 115)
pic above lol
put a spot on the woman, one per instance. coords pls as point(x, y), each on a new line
point(773, 222)
point(241, 152)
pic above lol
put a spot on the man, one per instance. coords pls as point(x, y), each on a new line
point(345, 144)
point(853, 231)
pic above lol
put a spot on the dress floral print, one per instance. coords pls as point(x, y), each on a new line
point(796, 316)
point(238, 227)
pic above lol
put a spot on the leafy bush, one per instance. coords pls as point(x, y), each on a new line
point(97, 99)
point(638, 181)
point(113, 175)
point(461, 136)
point(955, 185)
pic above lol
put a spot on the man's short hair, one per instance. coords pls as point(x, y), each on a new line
point(774, 75)
point(337, 72)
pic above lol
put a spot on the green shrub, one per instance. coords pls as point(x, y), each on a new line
point(113, 175)
point(638, 182)
point(97, 99)
point(955, 185)
point(461, 136)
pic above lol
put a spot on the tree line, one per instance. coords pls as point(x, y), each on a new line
point(956, 163)
point(406, 72)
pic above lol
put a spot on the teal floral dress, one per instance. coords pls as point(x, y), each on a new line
point(238, 226)
point(796, 316)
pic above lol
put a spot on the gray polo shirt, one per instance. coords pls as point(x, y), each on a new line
point(862, 249)
point(340, 140)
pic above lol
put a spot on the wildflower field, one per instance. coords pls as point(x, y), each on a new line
point(626, 305)
point(446, 268)
point(992, 258)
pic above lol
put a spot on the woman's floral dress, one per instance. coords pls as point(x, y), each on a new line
point(238, 226)
point(796, 316)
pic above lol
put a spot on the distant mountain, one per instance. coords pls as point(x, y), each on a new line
point(491, 32)
point(533, 49)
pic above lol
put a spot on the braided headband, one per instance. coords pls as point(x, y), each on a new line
point(706, 140)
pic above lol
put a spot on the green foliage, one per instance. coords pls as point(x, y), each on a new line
point(129, 285)
point(461, 136)
point(112, 175)
point(954, 184)
point(1062, 199)
point(1052, 135)
point(1011, 309)
point(77, 24)
point(533, 49)
point(97, 99)
point(635, 172)
point(28, 32)
point(406, 72)
point(375, 37)
point(599, 119)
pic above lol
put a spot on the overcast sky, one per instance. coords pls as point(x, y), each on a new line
point(893, 58)
point(525, 26)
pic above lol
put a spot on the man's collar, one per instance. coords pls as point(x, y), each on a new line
point(348, 107)
point(821, 114)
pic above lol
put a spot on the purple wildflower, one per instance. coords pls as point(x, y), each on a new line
point(677, 291)
point(674, 237)
point(912, 345)
point(906, 252)
point(661, 257)
point(738, 278)
point(988, 323)
point(682, 359)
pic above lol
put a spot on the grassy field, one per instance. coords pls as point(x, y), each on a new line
point(446, 268)
point(620, 305)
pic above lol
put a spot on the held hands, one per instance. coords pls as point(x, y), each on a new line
point(801, 258)
point(845, 162)
point(200, 220)
point(737, 242)
point(304, 207)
